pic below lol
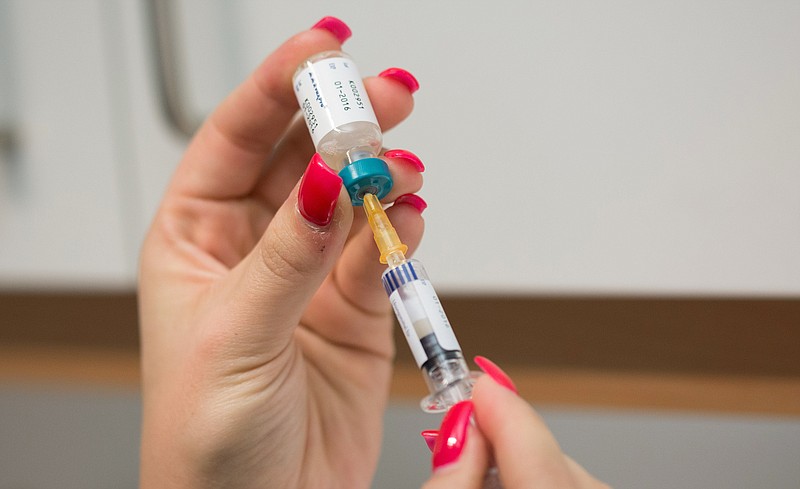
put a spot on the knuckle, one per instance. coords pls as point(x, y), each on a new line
point(281, 256)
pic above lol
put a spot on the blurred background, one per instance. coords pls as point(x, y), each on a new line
point(613, 217)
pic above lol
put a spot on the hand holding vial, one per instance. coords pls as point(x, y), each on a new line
point(266, 337)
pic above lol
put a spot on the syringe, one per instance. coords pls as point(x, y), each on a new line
point(423, 321)
point(421, 316)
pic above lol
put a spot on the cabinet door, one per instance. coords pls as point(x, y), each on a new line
point(206, 61)
point(63, 188)
point(577, 147)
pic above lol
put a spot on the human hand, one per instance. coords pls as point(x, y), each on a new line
point(266, 337)
point(507, 430)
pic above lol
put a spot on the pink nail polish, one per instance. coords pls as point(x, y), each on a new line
point(430, 438)
point(413, 200)
point(452, 435)
point(319, 192)
point(406, 156)
point(496, 373)
point(402, 76)
point(335, 26)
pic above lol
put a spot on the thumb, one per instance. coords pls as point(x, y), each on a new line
point(460, 455)
point(271, 287)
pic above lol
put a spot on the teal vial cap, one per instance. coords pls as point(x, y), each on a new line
point(369, 175)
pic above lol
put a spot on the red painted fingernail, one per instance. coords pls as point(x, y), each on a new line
point(492, 370)
point(452, 435)
point(402, 76)
point(413, 200)
point(406, 156)
point(336, 27)
point(319, 192)
point(430, 438)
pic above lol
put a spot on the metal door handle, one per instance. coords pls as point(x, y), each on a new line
point(8, 132)
point(167, 57)
point(7, 139)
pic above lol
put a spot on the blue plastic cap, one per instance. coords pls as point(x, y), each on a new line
point(370, 175)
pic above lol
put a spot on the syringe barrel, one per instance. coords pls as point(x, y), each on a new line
point(429, 335)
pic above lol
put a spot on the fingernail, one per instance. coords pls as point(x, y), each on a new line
point(430, 438)
point(413, 200)
point(336, 27)
point(319, 191)
point(402, 76)
point(406, 156)
point(452, 435)
point(496, 373)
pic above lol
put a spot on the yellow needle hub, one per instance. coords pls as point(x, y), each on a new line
point(392, 250)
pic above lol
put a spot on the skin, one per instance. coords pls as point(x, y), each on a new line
point(266, 340)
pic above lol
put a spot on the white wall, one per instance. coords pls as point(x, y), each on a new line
point(581, 146)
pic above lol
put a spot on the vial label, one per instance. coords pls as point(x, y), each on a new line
point(419, 312)
point(331, 94)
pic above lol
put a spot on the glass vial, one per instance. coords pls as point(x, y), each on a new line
point(342, 124)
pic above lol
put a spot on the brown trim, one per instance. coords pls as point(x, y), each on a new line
point(705, 336)
point(674, 353)
point(105, 320)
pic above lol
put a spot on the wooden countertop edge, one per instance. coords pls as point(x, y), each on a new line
point(640, 390)
point(579, 388)
point(69, 365)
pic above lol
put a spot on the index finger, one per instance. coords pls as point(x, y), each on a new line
point(526, 452)
point(227, 154)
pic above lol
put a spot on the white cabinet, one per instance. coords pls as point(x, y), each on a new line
point(66, 191)
point(571, 147)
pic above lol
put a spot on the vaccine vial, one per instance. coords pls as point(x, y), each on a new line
point(342, 123)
